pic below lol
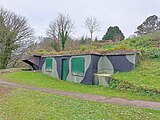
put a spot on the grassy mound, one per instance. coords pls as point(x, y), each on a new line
point(148, 46)
point(145, 77)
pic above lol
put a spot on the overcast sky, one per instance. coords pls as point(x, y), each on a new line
point(127, 14)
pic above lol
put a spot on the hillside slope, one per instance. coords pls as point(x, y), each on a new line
point(146, 76)
point(148, 46)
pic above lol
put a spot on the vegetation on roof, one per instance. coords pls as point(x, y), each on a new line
point(83, 51)
point(147, 46)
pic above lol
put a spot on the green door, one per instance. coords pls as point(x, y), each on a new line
point(64, 69)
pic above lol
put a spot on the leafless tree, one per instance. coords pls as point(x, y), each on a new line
point(60, 29)
point(47, 44)
point(15, 34)
point(44, 43)
point(92, 24)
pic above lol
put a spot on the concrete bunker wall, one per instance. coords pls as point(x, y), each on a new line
point(116, 63)
point(108, 64)
point(85, 78)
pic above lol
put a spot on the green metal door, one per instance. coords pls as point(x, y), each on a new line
point(64, 69)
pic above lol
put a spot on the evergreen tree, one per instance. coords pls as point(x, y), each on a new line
point(151, 24)
point(113, 33)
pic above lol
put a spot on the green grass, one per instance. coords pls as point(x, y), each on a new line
point(21, 104)
point(148, 46)
point(38, 79)
point(146, 74)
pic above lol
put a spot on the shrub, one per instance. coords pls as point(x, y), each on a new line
point(84, 48)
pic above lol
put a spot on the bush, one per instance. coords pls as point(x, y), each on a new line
point(84, 48)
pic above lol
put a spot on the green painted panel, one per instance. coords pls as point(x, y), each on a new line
point(64, 69)
point(77, 65)
point(48, 64)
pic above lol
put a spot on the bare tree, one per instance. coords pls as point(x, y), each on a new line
point(59, 29)
point(15, 34)
point(92, 24)
point(44, 43)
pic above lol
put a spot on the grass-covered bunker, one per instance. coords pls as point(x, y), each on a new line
point(84, 68)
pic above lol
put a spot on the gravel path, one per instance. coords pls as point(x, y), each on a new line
point(90, 97)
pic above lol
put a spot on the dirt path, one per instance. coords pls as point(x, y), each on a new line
point(85, 96)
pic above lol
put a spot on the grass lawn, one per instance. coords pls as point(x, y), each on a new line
point(22, 104)
point(147, 74)
point(38, 79)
